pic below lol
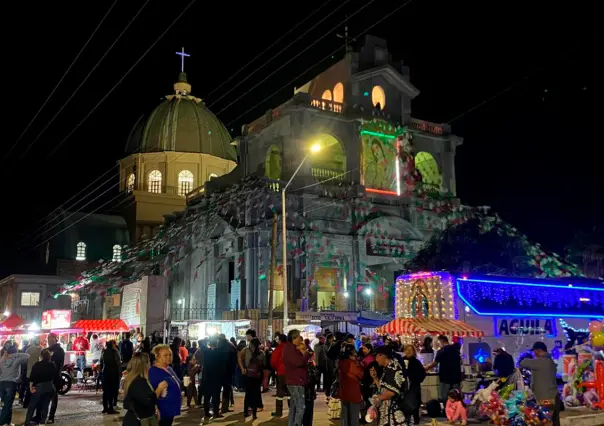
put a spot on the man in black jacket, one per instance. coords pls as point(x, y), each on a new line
point(58, 359)
point(229, 352)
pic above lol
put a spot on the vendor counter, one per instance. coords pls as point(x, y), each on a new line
point(430, 387)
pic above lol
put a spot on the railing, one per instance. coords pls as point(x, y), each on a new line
point(326, 105)
point(322, 175)
point(274, 185)
point(195, 312)
point(195, 193)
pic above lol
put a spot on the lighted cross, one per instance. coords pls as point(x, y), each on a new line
point(182, 55)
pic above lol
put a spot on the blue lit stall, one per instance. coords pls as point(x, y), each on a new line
point(515, 312)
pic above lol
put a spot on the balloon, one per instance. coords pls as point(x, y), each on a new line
point(595, 327)
point(597, 339)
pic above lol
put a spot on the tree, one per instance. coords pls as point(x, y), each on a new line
point(587, 249)
point(466, 248)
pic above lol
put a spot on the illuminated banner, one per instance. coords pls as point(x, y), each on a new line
point(55, 318)
point(532, 297)
point(379, 155)
point(525, 326)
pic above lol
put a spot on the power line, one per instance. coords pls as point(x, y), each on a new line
point(318, 62)
point(85, 80)
point(120, 80)
point(268, 48)
point(60, 81)
point(283, 50)
point(300, 53)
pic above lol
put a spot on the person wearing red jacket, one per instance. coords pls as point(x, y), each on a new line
point(295, 360)
point(279, 367)
point(351, 374)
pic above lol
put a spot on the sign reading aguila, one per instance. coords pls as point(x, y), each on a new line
point(524, 326)
point(327, 316)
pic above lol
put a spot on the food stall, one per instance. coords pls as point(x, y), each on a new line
point(108, 329)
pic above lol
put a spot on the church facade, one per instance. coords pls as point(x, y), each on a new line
point(353, 214)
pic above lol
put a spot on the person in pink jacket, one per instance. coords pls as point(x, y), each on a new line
point(455, 408)
point(295, 361)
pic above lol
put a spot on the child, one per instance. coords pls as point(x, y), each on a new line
point(191, 388)
point(456, 409)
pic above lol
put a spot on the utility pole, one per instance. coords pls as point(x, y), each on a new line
point(271, 279)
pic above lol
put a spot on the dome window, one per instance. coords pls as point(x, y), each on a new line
point(81, 251)
point(338, 93)
point(185, 182)
point(117, 253)
point(130, 182)
point(378, 97)
point(212, 176)
point(155, 181)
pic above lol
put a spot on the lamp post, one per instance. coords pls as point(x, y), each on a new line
point(313, 150)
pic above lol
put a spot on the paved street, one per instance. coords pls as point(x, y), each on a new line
point(84, 409)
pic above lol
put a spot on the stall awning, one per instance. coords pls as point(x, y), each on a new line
point(108, 325)
point(414, 326)
point(12, 321)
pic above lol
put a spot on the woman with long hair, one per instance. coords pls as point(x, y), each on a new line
point(112, 366)
point(140, 399)
point(254, 369)
point(170, 400)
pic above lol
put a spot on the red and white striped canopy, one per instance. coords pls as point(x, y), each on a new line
point(414, 326)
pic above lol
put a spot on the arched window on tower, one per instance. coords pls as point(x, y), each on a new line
point(378, 97)
point(326, 96)
point(185, 182)
point(427, 166)
point(212, 176)
point(117, 253)
point(338, 93)
point(130, 183)
point(81, 251)
point(154, 183)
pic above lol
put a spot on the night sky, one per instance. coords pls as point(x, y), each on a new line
point(530, 151)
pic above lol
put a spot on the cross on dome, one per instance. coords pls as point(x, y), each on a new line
point(182, 55)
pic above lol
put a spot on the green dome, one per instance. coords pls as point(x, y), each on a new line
point(181, 123)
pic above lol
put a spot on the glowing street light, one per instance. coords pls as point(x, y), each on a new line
point(346, 294)
point(368, 291)
point(315, 148)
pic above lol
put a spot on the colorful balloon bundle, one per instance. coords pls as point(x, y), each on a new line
point(596, 334)
point(517, 410)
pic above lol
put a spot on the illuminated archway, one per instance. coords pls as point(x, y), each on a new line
point(427, 166)
point(378, 96)
point(326, 96)
point(272, 163)
point(338, 93)
point(330, 162)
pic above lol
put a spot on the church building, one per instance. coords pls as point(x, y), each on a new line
point(355, 209)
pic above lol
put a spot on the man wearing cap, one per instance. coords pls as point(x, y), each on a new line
point(57, 357)
point(11, 365)
point(543, 379)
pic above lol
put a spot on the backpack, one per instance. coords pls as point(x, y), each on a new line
point(254, 369)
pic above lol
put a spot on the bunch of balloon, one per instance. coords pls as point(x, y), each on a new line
point(597, 384)
point(596, 334)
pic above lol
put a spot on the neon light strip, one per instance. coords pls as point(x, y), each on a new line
point(380, 191)
point(532, 284)
point(398, 167)
point(516, 314)
point(369, 132)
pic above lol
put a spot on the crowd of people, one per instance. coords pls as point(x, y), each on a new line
point(362, 380)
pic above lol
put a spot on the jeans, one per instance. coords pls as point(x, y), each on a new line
point(445, 388)
point(54, 402)
point(81, 362)
point(296, 405)
point(350, 414)
point(166, 421)
point(227, 397)
point(7, 394)
point(39, 402)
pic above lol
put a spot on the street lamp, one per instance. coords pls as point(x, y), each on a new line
point(313, 150)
